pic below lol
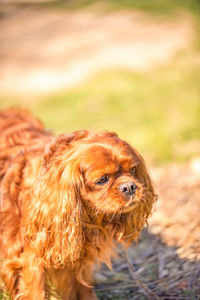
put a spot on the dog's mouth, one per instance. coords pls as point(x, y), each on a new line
point(131, 204)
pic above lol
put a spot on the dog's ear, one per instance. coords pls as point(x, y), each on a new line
point(149, 196)
point(138, 217)
point(55, 223)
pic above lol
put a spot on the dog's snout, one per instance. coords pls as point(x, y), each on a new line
point(128, 188)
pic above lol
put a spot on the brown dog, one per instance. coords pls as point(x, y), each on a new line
point(65, 201)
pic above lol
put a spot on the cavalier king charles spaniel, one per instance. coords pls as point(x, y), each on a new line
point(65, 202)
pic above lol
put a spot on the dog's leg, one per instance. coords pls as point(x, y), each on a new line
point(10, 272)
point(85, 273)
point(68, 287)
point(86, 293)
point(31, 284)
point(24, 278)
point(64, 282)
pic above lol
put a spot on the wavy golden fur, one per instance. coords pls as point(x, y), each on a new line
point(64, 204)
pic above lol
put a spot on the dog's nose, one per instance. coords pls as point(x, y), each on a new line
point(128, 188)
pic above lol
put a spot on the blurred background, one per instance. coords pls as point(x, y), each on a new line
point(132, 67)
point(126, 66)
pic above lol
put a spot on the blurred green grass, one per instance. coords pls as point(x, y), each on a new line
point(4, 296)
point(163, 7)
point(157, 111)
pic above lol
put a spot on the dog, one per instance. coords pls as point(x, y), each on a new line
point(65, 203)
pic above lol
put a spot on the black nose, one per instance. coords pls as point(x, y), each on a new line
point(128, 188)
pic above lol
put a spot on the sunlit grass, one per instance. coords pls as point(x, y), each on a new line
point(4, 296)
point(156, 7)
point(158, 111)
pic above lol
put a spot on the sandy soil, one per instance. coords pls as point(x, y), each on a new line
point(176, 218)
point(46, 50)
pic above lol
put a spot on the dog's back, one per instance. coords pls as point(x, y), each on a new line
point(19, 131)
point(18, 128)
point(21, 136)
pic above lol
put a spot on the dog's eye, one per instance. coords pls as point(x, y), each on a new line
point(102, 180)
point(133, 170)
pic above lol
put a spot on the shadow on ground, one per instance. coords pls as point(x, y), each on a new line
point(158, 266)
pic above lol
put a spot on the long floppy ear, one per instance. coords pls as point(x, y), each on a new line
point(55, 225)
point(138, 217)
point(149, 197)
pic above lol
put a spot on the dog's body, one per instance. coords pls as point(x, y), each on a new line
point(64, 203)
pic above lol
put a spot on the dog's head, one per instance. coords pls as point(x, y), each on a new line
point(85, 176)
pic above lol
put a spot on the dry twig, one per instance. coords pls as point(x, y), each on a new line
point(149, 293)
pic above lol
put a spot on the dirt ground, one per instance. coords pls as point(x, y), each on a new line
point(44, 50)
point(175, 219)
